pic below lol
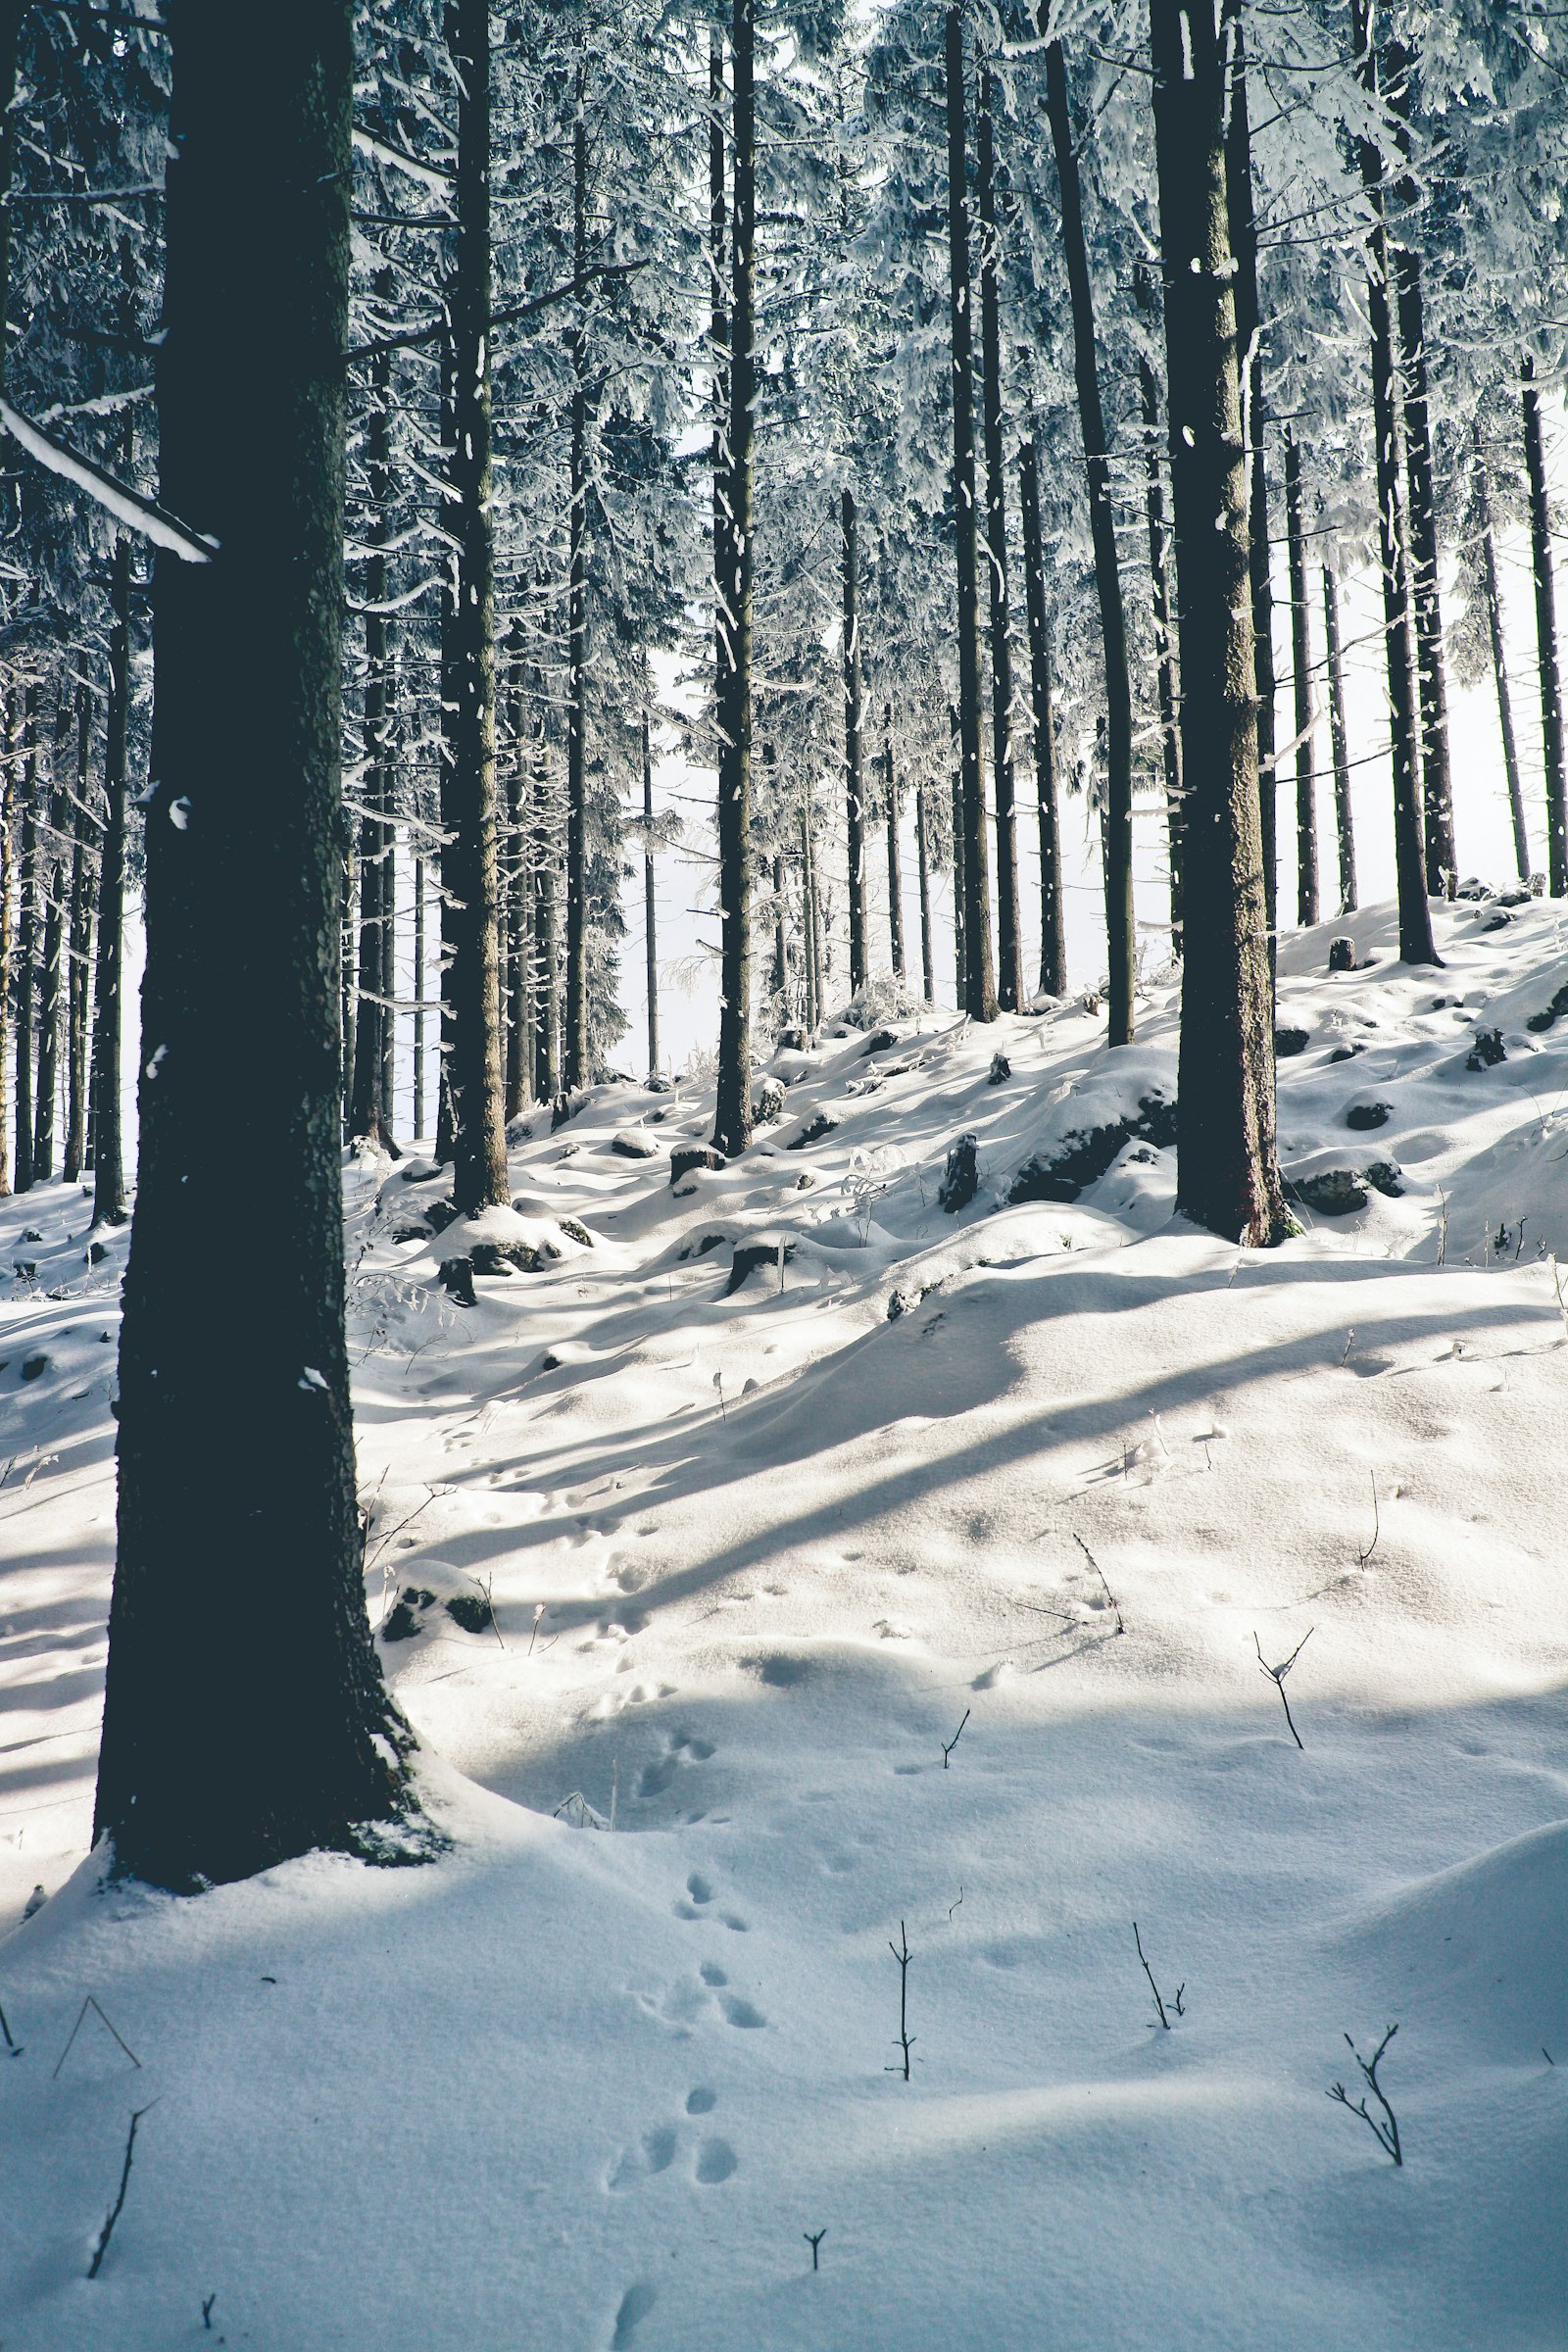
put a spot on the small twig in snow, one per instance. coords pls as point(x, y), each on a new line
point(952, 1743)
point(1377, 1526)
point(1277, 1673)
point(903, 1956)
point(1385, 2130)
point(108, 2230)
point(1159, 2005)
point(814, 2241)
point(1110, 1597)
point(91, 2003)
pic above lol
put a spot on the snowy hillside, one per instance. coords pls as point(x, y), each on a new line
point(694, 1552)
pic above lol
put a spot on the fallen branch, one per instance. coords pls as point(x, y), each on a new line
point(1159, 2005)
point(108, 2230)
point(1385, 2130)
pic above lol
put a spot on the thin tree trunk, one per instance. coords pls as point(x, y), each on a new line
point(1499, 670)
point(853, 760)
point(1009, 951)
point(468, 859)
point(1344, 814)
point(1227, 1174)
point(650, 899)
point(78, 950)
point(977, 993)
point(1415, 912)
point(547, 931)
point(1170, 741)
point(108, 1123)
point(1120, 936)
point(1053, 916)
point(961, 957)
point(922, 843)
point(518, 903)
point(8, 863)
point(808, 910)
point(732, 1119)
point(26, 938)
point(1242, 204)
point(1551, 734)
point(243, 1485)
point(575, 1056)
point(52, 976)
point(419, 996)
point(368, 1109)
point(1307, 881)
point(890, 792)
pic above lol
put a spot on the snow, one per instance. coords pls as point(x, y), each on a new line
point(580, 2088)
point(140, 515)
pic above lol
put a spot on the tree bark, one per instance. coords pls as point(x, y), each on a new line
point(79, 950)
point(1227, 1174)
point(1344, 814)
point(854, 759)
point(1120, 936)
point(1306, 878)
point(472, 1077)
point(1170, 741)
point(1499, 667)
point(52, 971)
point(8, 814)
point(517, 905)
point(222, 1756)
point(977, 994)
point(1552, 735)
point(1415, 912)
point(1053, 916)
point(27, 941)
point(732, 1121)
point(575, 1056)
point(108, 1123)
point(1010, 953)
point(1242, 202)
point(890, 794)
point(369, 1111)
point(922, 845)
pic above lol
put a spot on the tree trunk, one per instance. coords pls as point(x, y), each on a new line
point(1343, 815)
point(420, 1128)
point(650, 902)
point(1170, 741)
point(78, 950)
point(808, 914)
point(1307, 882)
point(8, 816)
point(577, 1069)
point(890, 792)
point(369, 1112)
point(1545, 635)
point(1242, 205)
point(1228, 1173)
point(27, 941)
point(242, 1487)
point(732, 1121)
point(1009, 952)
point(108, 1123)
point(517, 911)
point(977, 992)
point(468, 857)
point(1120, 936)
point(853, 760)
point(922, 845)
point(52, 974)
point(1415, 912)
point(1499, 668)
point(546, 931)
point(1053, 916)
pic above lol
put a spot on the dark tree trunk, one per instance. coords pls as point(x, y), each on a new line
point(1415, 912)
point(518, 903)
point(1344, 814)
point(1053, 916)
point(961, 959)
point(923, 846)
point(1546, 636)
point(1009, 952)
point(1170, 741)
point(1228, 1173)
point(546, 931)
point(650, 902)
point(419, 996)
point(574, 1054)
point(1307, 882)
point(732, 1122)
point(8, 817)
point(52, 971)
point(468, 859)
point(1242, 205)
point(79, 949)
point(977, 993)
point(369, 1111)
point(854, 757)
point(26, 940)
point(890, 794)
point(108, 1125)
point(1499, 668)
point(243, 1485)
point(809, 912)
point(1120, 936)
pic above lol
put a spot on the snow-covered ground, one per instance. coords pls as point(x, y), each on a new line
point(732, 1566)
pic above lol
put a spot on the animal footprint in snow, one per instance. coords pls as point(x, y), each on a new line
point(654, 2153)
point(698, 1892)
point(680, 1748)
point(702, 2100)
point(716, 2160)
point(635, 2305)
point(740, 2013)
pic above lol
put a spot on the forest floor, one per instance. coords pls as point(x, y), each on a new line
point(734, 1565)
